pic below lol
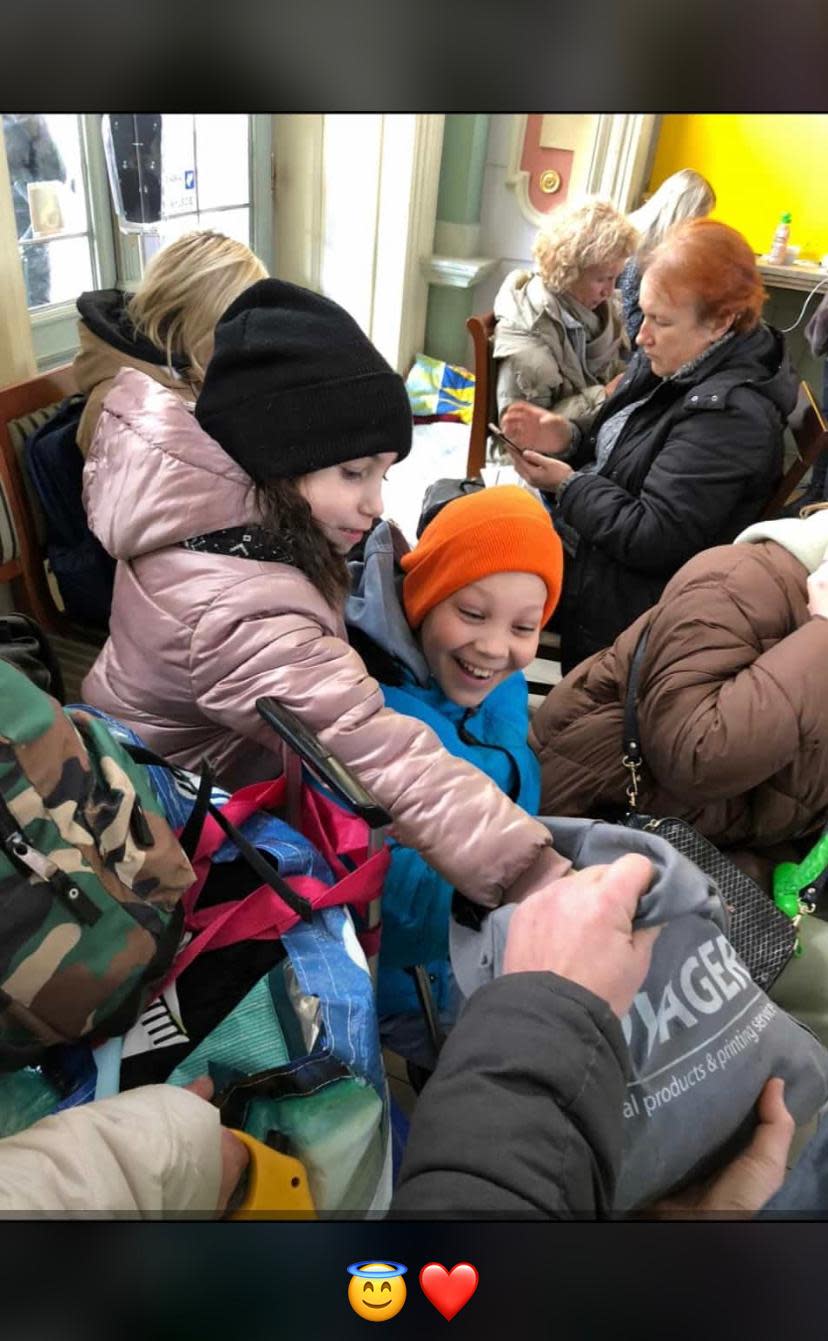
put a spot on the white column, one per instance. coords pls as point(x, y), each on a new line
point(355, 209)
point(17, 360)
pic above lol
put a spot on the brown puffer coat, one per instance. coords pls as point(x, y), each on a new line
point(732, 706)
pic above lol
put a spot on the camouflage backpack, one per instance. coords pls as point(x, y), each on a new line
point(91, 877)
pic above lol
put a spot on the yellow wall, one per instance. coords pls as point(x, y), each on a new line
point(758, 166)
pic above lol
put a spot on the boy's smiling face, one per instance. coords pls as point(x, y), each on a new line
point(482, 633)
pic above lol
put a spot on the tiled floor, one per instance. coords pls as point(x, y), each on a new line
point(75, 659)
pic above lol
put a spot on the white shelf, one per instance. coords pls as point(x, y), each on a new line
point(799, 275)
point(457, 272)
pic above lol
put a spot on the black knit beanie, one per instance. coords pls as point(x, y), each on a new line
point(294, 385)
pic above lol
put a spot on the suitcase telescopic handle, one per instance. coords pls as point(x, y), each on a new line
point(328, 768)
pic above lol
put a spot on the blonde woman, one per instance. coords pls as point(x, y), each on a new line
point(165, 329)
point(685, 195)
point(560, 336)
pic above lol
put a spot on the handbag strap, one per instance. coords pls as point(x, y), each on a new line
point(631, 757)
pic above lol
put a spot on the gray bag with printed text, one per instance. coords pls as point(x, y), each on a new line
point(703, 1037)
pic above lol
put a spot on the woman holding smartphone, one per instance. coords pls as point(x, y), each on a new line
point(685, 453)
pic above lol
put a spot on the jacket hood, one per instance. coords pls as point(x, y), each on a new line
point(154, 477)
point(375, 603)
point(104, 312)
point(108, 342)
point(804, 537)
point(758, 358)
point(523, 300)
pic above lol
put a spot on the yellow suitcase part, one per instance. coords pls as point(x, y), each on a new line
point(277, 1184)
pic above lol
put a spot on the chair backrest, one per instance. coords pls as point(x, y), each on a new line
point(481, 330)
point(23, 408)
point(810, 435)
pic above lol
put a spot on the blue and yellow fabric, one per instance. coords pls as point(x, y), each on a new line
point(438, 388)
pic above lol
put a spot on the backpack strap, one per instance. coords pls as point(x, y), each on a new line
point(203, 806)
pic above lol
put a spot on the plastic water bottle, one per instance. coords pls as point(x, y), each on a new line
point(778, 253)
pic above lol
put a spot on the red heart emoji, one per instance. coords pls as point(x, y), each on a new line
point(448, 1291)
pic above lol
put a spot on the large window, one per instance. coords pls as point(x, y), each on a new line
point(216, 173)
point(46, 169)
point(208, 178)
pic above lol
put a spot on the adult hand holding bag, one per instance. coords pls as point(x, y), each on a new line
point(703, 1037)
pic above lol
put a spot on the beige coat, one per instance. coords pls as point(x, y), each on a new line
point(96, 366)
point(150, 1152)
point(546, 356)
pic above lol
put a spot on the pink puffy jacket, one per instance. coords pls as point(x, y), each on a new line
point(196, 638)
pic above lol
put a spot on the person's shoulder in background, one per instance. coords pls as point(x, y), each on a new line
point(816, 332)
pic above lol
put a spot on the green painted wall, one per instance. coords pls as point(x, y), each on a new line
point(465, 140)
point(461, 171)
point(446, 336)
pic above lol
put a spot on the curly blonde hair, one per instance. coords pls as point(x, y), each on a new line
point(579, 236)
point(186, 288)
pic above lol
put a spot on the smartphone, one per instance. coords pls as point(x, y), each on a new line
point(498, 433)
point(327, 767)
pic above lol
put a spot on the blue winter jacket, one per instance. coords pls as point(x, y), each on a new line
point(416, 901)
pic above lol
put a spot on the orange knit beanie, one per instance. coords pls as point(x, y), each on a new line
point(502, 529)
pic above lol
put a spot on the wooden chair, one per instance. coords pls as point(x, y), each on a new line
point(484, 412)
point(23, 566)
point(810, 436)
point(545, 670)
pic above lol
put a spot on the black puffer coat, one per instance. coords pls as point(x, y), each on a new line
point(509, 1126)
point(694, 465)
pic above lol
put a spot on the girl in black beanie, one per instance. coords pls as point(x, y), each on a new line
point(231, 529)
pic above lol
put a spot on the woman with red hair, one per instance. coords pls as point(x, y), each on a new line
point(683, 456)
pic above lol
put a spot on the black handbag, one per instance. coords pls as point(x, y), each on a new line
point(25, 645)
point(763, 937)
point(441, 492)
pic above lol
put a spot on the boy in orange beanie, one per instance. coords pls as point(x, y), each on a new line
point(448, 628)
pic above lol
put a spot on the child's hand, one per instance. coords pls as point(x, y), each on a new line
point(234, 1155)
point(548, 865)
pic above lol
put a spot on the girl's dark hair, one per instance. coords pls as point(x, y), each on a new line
point(287, 514)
